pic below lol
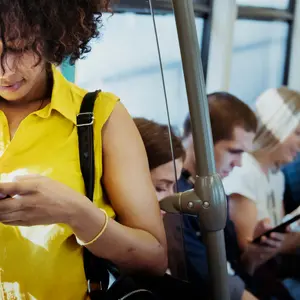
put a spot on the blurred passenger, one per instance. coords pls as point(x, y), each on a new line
point(233, 127)
point(256, 188)
point(157, 138)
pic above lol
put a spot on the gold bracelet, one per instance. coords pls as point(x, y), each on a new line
point(81, 243)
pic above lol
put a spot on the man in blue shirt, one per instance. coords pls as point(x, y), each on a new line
point(233, 127)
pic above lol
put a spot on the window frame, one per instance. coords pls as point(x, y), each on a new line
point(273, 14)
point(204, 9)
point(161, 7)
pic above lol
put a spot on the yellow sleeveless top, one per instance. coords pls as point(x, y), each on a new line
point(45, 262)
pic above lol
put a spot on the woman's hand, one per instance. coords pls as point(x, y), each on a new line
point(137, 241)
point(282, 242)
point(291, 242)
point(37, 200)
point(255, 255)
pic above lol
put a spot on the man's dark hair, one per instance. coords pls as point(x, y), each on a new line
point(226, 113)
point(156, 139)
point(53, 29)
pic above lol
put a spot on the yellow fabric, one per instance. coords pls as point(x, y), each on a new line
point(45, 262)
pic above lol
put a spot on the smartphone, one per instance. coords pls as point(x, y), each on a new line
point(280, 228)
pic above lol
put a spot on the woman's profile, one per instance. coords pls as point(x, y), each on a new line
point(256, 188)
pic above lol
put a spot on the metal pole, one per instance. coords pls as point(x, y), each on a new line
point(208, 186)
point(195, 85)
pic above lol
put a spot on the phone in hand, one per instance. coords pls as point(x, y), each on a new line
point(280, 228)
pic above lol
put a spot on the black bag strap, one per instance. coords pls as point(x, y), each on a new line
point(95, 269)
point(85, 121)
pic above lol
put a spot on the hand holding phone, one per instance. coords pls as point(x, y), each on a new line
point(282, 228)
point(256, 254)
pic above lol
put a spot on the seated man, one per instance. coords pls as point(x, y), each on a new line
point(233, 127)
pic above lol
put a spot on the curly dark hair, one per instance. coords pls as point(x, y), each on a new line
point(53, 29)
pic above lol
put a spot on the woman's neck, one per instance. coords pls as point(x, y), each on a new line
point(265, 160)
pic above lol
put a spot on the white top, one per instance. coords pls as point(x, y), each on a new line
point(251, 182)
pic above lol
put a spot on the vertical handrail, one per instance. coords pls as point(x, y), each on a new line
point(195, 86)
point(208, 186)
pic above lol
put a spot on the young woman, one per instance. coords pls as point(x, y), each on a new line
point(256, 188)
point(46, 220)
point(157, 140)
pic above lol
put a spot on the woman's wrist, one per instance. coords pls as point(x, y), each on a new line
point(85, 220)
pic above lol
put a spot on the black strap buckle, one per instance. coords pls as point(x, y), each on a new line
point(93, 286)
point(85, 119)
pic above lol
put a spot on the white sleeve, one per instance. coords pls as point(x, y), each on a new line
point(241, 181)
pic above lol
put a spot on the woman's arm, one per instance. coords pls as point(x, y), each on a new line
point(138, 241)
point(243, 213)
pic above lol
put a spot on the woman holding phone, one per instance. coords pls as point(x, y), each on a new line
point(46, 221)
point(256, 188)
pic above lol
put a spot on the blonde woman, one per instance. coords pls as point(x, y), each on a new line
point(256, 188)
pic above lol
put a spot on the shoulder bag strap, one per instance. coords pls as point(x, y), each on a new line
point(85, 121)
point(95, 268)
